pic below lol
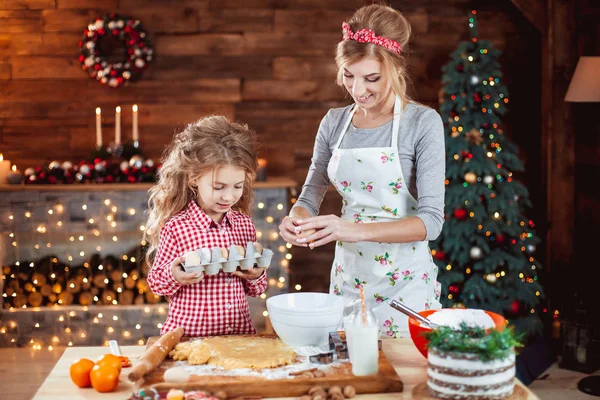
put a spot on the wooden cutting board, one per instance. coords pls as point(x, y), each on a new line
point(387, 380)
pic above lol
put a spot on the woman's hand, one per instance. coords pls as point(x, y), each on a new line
point(287, 230)
point(250, 274)
point(185, 278)
point(329, 228)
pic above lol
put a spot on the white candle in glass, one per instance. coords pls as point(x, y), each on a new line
point(98, 127)
point(118, 125)
point(4, 169)
point(134, 132)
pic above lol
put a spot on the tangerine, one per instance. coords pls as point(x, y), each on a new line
point(105, 378)
point(80, 372)
point(111, 360)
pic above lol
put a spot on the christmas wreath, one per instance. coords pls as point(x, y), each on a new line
point(115, 50)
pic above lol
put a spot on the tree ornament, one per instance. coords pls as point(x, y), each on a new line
point(491, 278)
point(460, 68)
point(54, 165)
point(101, 33)
point(470, 177)
point(488, 179)
point(530, 248)
point(477, 98)
point(124, 166)
point(149, 163)
point(515, 307)
point(474, 137)
point(84, 169)
point(460, 213)
point(475, 253)
point(136, 161)
point(500, 238)
point(439, 255)
point(29, 171)
point(474, 79)
point(67, 165)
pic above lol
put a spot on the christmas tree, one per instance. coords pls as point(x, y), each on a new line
point(486, 250)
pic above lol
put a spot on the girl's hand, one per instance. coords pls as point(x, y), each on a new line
point(287, 231)
point(250, 274)
point(329, 228)
point(185, 278)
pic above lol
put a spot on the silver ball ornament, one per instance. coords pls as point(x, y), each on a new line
point(101, 166)
point(491, 278)
point(79, 177)
point(29, 171)
point(67, 165)
point(84, 169)
point(475, 252)
point(530, 248)
point(54, 165)
point(488, 179)
point(474, 79)
point(136, 161)
point(149, 163)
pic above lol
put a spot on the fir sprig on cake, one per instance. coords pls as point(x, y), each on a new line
point(471, 363)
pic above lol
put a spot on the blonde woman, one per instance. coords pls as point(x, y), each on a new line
point(385, 156)
point(202, 199)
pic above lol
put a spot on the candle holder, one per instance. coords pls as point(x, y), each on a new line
point(14, 177)
point(115, 150)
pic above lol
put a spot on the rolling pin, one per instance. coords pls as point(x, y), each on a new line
point(155, 354)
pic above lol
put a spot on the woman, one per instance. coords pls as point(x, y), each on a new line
point(385, 156)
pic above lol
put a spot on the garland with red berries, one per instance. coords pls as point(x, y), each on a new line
point(129, 32)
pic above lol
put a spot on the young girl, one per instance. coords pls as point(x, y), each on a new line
point(202, 199)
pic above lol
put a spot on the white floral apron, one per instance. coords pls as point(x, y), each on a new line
point(373, 190)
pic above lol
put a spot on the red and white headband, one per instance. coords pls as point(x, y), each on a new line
point(366, 35)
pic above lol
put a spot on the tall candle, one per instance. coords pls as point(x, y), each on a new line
point(4, 169)
point(134, 132)
point(118, 125)
point(98, 127)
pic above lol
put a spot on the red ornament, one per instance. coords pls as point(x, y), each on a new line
point(439, 255)
point(500, 238)
point(515, 307)
point(464, 154)
point(460, 213)
point(460, 67)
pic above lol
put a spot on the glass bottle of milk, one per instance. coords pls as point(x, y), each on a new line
point(362, 336)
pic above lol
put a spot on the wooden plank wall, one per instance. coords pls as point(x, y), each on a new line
point(265, 62)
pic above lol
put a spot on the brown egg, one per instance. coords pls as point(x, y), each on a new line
point(241, 250)
point(224, 253)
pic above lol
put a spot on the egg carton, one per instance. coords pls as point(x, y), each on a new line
point(201, 260)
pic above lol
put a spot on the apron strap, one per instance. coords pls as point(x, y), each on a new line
point(396, 122)
point(345, 127)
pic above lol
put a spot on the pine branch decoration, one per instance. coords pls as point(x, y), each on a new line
point(489, 346)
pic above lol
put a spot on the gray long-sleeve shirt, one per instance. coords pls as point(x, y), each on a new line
point(421, 152)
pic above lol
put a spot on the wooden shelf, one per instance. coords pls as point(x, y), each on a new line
point(275, 182)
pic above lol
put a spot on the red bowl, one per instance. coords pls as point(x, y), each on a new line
point(417, 330)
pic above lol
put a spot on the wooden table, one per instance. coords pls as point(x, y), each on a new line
point(409, 363)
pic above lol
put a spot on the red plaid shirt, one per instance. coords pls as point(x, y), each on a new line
point(216, 305)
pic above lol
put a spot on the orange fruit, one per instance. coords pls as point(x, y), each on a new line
point(105, 378)
point(80, 372)
point(110, 360)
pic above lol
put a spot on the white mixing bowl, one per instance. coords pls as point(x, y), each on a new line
point(305, 319)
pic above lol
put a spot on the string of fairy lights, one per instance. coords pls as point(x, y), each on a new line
point(112, 228)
